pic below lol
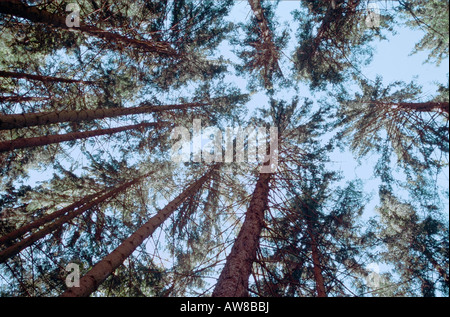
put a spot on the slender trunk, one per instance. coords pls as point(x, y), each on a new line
point(34, 14)
point(46, 219)
point(268, 48)
point(320, 284)
point(424, 106)
point(21, 99)
point(92, 280)
point(24, 243)
point(233, 280)
point(42, 78)
point(263, 24)
point(58, 138)
point(12, 121)
point(318, 276)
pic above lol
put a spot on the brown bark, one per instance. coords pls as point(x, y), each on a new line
point(233, 280)
point(34, 14)
point(318, 276)
point(24, 243)
point(311, 216)
point(21, 99)
point(266, 33)
point(46, 219)
point(58, 138)
point(91, 281)
point(45, 79)
point(269, 55)
point(12, 121)
point(430, 106)
point(424, 106)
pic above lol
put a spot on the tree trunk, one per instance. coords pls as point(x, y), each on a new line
point(58, 138)
point(320, 284)
point(233, 280)
point(13, 121)
point(424, 106)
point(268, 48)
point(22, 244)
point(318, 276)
point(42, 78)
point(263, 25)
point(429, 106)
point(19, 9)
point(91, 281)
point(46, 219)
point(21, 99)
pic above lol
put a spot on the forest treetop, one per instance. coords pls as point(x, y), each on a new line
point(92, 90)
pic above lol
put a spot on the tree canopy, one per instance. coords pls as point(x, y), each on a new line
point(258, 100)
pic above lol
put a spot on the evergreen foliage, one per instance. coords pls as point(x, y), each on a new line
point(87, 177)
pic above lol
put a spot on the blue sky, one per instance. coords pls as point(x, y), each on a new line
point(392, 60)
